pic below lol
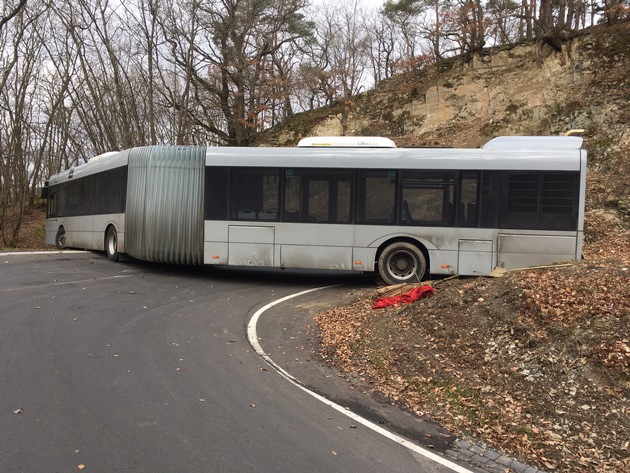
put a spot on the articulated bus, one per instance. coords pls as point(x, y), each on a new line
point(357, 204)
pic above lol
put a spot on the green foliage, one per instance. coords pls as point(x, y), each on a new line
point(408, 7)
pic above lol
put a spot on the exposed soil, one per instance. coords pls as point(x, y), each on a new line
point(536, 363)
point(32, 234)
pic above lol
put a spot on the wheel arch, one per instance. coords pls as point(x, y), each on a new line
point(60, 233)
point(111, 247)
point(404, 239)
point(107, 227)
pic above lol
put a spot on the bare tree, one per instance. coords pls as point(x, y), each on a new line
point(143, 17)
point(112, 94)
point(382, 47)
point(337, 61)
point(406, 15)
point(20, 75)
point(10, 11)
point(506, 27)
point(231, 49)
point(180, 28)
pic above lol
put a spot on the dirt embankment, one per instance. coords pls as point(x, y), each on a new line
point(536, 363)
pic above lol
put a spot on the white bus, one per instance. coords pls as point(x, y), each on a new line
point(361, 205)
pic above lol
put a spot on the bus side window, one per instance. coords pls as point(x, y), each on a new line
point(52, 204)
point(376, 197)
point(315, 195)
point(318, 205)
point(343, 199)
point(539, 200)
point(254, 194)
point(116, 190)
point(427, 197)
point(100, 202)
point(489, 199)
point(60, 200)
point(216, 193)
point(292, 196)
point(467, 208)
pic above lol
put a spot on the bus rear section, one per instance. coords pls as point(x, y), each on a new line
point(404, 213)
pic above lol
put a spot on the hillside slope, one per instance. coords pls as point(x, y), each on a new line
point(523, 90)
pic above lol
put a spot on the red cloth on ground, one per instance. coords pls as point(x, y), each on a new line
point(411, 296)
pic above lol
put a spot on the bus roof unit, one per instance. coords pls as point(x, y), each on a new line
point(534, 142)
point(346, 142)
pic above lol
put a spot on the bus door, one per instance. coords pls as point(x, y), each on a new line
point(476, 191)
point(316, 228)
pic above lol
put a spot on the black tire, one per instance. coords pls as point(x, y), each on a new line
point(402, 263)
point(111, 244)
point(60, 239)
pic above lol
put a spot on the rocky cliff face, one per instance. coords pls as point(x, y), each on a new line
point(527, 89)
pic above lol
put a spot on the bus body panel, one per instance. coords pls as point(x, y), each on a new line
point(284, 245)
point(251, 245)
point(86, 232)
point(316, 256)
point(397, 158)
point(304, 244)
point(363, 258)
point(520, 251)
point(215, 253)
point(78, 231)
point(100, 223)
point(475, 257)
point(179, 208)
point(52, 225)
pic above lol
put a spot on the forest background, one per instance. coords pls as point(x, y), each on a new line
point(535, 364)
point(82, 77)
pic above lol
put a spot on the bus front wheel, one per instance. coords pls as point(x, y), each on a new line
point(60, 239)
point(111, 244)
point(402, 262)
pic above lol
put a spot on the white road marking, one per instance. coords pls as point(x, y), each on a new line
point(58, 283)
point(30, 253)
point(252, 335)
point(65, 283)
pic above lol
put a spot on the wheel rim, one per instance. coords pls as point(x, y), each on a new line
point(402, 265)
point(61, 240)
point(111, 243)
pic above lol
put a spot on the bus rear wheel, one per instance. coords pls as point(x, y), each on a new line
point(60, 239)
point(111, 244)
point(402, 262)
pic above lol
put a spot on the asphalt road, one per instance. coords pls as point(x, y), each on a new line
point(116, 367)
